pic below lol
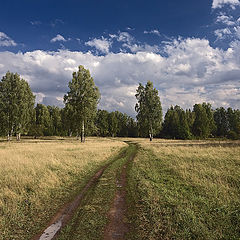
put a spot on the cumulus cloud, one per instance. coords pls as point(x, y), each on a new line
point(156, 32)
point(133, 47)
point(228, 20)
point(222, 33)
point(221, 3)
point(101, 44)
point(189, 71)
point(125, 37)
point(6, 41)
point(58, 38)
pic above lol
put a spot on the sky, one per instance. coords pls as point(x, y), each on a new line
point(189, 49)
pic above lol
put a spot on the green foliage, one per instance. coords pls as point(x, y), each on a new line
point(16, 104)
point(112, 124)
point(56, 121)
point(234, 121)
point(102, 122)
point(222, 124)
point(82, 98)
point(203, 124)
point(149, 110)
point(115, 124)
point(175, 124)
point(43, 120)
point(80, 115)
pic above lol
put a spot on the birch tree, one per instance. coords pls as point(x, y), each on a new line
point(83, 97)
point(16, 105)
point(149, 109)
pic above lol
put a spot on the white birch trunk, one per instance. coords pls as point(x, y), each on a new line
point(83, 133)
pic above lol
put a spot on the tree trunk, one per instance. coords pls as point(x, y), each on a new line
point(150, 137)
point(151, 133)
point(18, 136)
point(8, 137)
point(11, 133)
point(83, 134)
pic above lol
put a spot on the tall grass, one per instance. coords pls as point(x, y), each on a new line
point(186, 190)
point(36, 177)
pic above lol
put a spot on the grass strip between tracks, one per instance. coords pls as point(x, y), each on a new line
point(90, 218)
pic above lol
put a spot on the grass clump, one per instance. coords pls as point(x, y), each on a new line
point(185, 190)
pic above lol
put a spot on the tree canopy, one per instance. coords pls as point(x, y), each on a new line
point(149, 110)
point(16, 105)
point(83, 97)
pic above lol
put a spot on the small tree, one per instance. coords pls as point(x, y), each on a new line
point(83, 98)
point(149, 109)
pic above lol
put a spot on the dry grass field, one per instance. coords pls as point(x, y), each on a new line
point(176, 189)
point(186, 190)
point(38, 176)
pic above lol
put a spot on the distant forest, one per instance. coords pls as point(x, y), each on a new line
point(19, 115)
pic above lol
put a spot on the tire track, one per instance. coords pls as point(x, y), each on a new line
point(118, 226)
point(64, 215)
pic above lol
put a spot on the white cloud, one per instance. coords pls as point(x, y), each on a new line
point(6, 41)
point(221, 3)
point(228, 20)
point(125, 37)
point(130, 29)
point(141, 47)
point(237, 31)
point(35, 23)
point(190, 71)
point(156, 32)
point(58, 38)
point(222, 33)
point(102, 44)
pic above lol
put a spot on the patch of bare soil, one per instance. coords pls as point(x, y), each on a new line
point(118, 226)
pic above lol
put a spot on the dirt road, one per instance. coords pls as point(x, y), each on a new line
point(116, 226)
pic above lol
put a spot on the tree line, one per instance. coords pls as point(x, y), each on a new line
point(80, 116)
point(200, 123)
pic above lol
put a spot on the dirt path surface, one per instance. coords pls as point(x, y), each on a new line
point(65, 214)
point(118, 226)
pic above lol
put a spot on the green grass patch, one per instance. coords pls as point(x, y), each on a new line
point(184, 192)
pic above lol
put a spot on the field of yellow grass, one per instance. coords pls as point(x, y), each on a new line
point(186, 190)
point(37, 176)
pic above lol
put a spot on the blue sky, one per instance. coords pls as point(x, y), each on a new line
point(189, 49)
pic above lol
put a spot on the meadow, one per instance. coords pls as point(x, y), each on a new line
point(38, 176)
point(185, 190)
point(175, 189)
